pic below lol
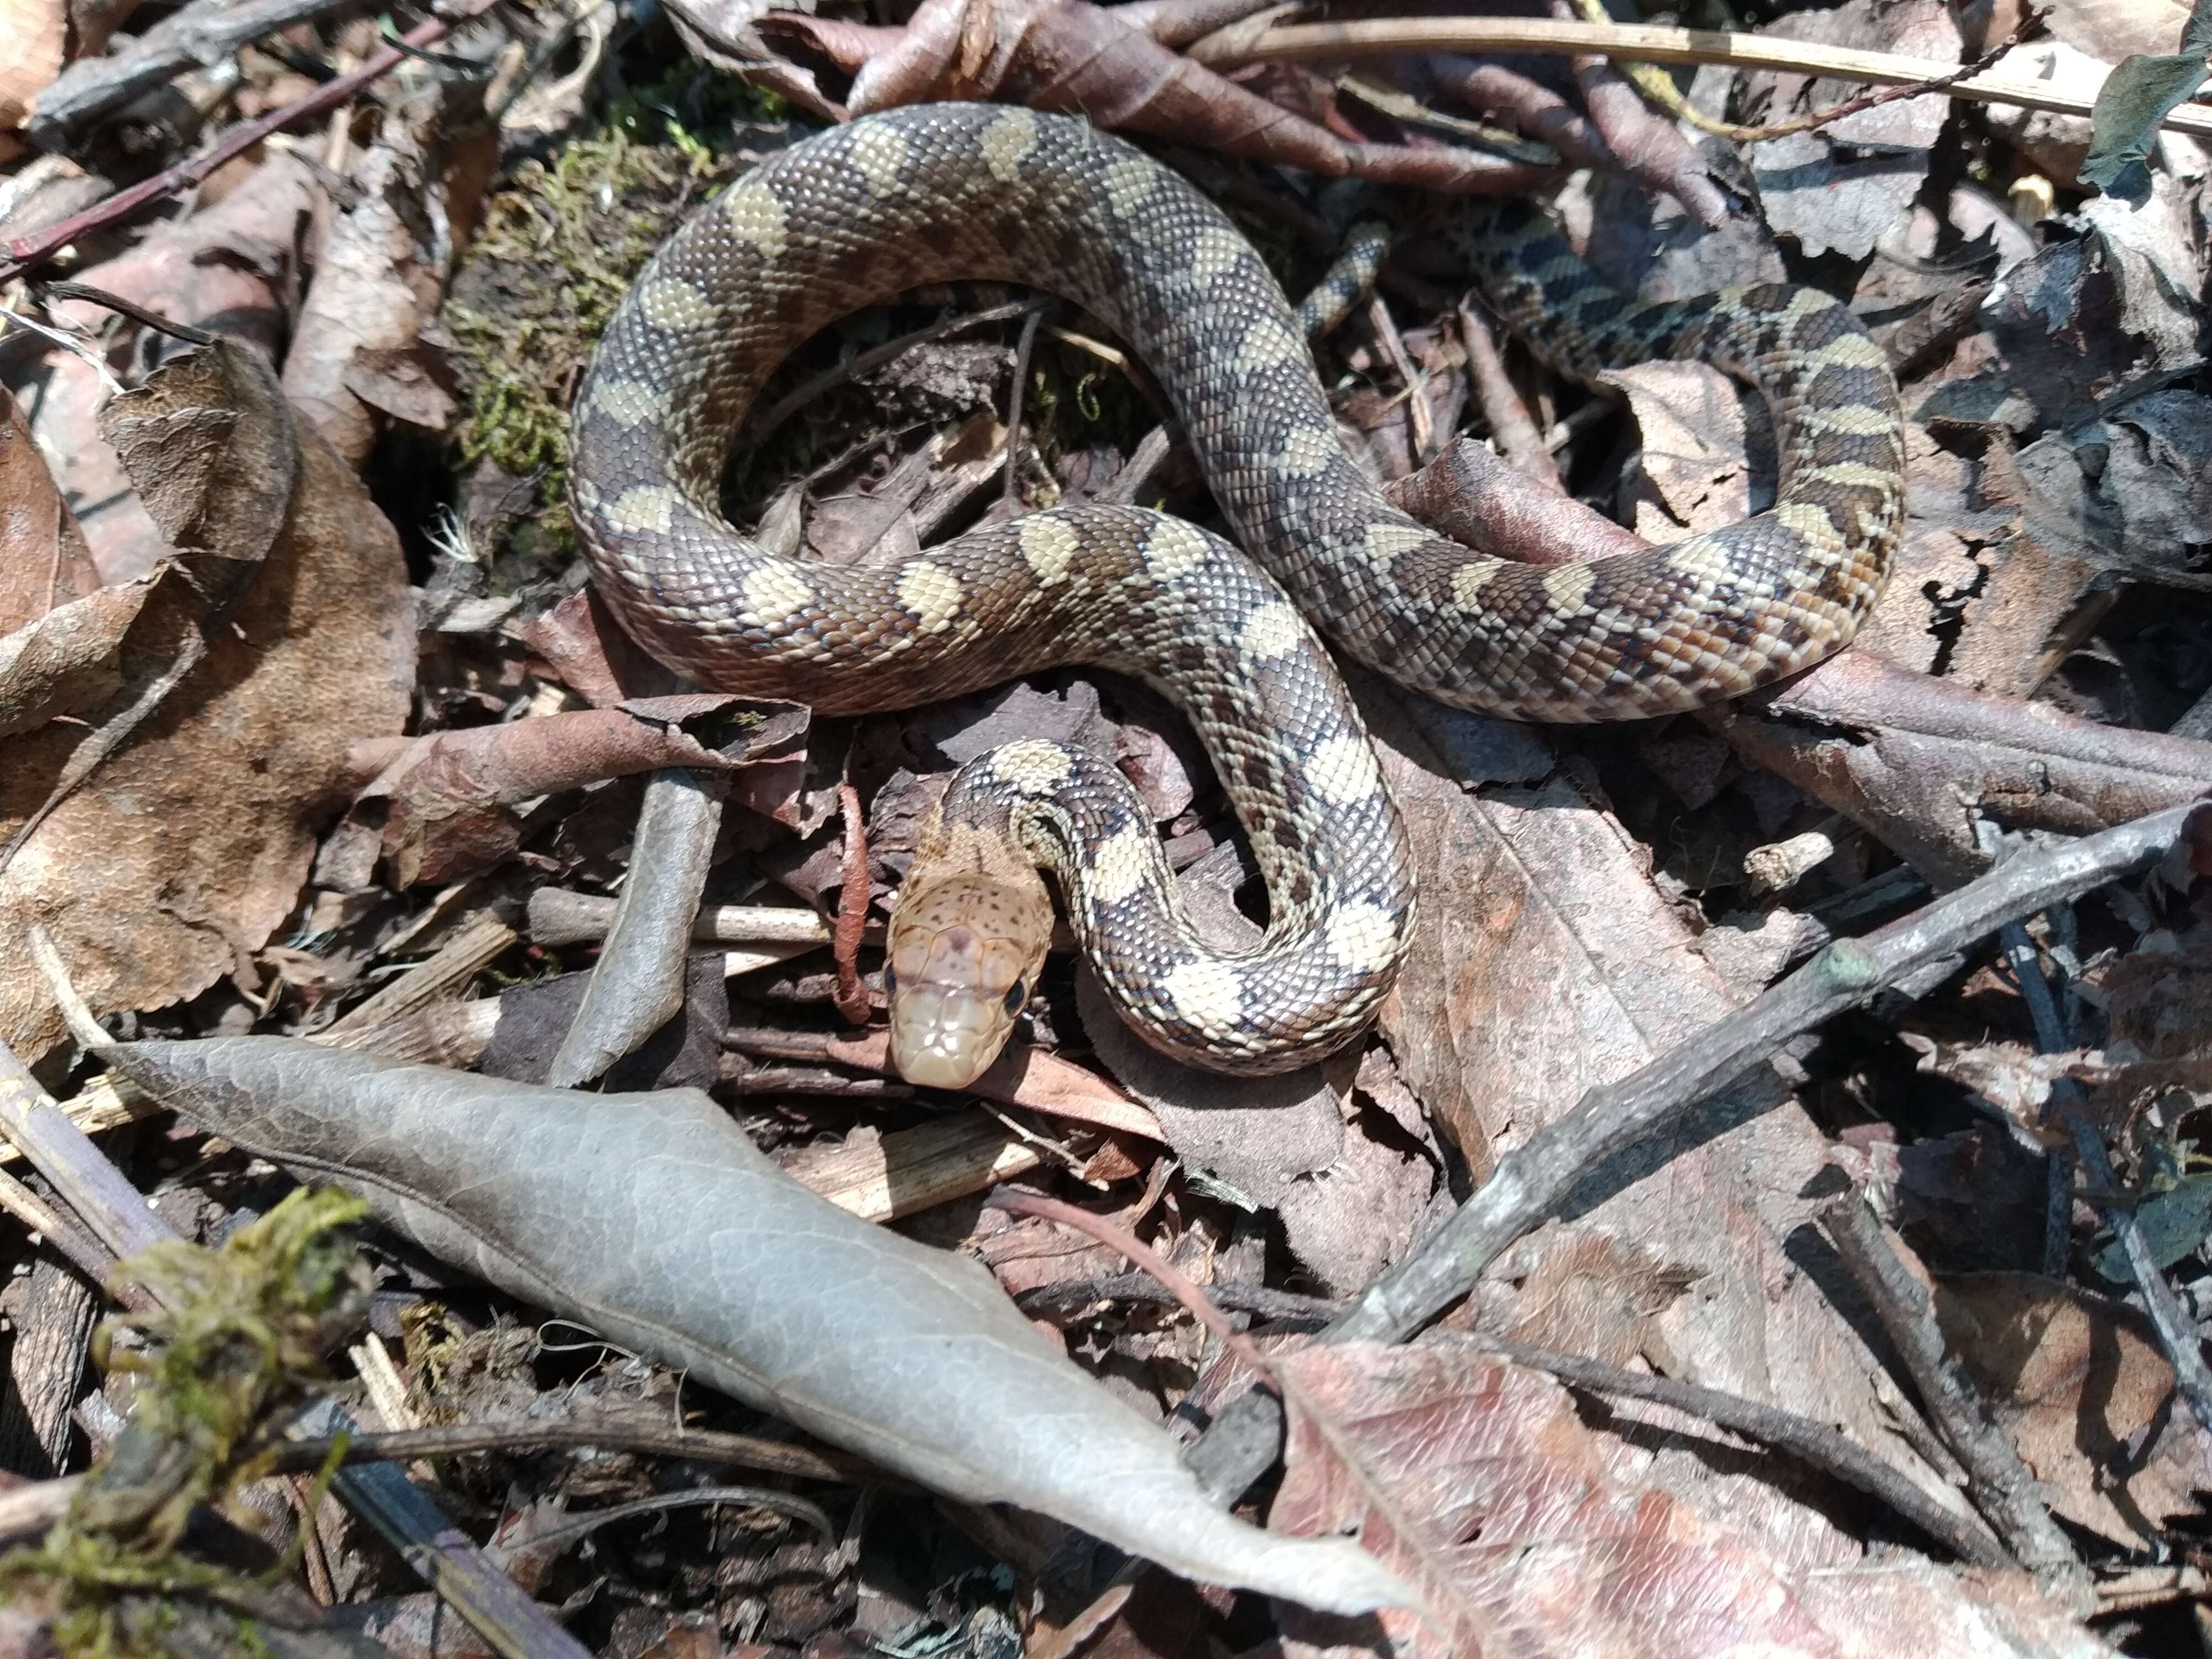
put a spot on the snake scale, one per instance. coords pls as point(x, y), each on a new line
point(940, 192)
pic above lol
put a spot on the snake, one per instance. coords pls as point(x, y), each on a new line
point(1232, 633)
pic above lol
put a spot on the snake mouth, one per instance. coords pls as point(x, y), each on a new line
point(945, 1037)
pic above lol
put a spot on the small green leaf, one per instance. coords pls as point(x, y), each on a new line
point(2142, 92)
point(2173, 1223)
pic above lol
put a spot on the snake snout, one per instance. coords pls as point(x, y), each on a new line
point(943, 1038)
point(961, 959)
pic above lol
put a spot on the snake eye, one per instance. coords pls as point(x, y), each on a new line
point(891, 980)
point(1017, 994)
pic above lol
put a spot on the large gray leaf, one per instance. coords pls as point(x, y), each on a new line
point(653, 1219)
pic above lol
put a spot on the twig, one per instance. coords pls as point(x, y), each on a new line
point(1193, 1300)
point(510, 1621)
point(1381, 37)
point(35, 1508)
point(559, 915)
point(1660, 89)
point(77, 345)
point(1518, 440)
point(114, 1209)
point(851, 999)
point(474, 946)
point(1815, 1444)
point(49, 292)
point(90, 1257)
point(1259, 1300)
point(752, 1498)
point(1421, 424)
point(699, 1446)
point(1414, 112)
point(1530, 1181)
point(24, 251)
point(1998, 1482)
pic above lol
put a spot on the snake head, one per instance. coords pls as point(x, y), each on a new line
point(963, 954)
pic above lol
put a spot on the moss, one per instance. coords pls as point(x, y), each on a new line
point(560, 243)
point(238, 1334)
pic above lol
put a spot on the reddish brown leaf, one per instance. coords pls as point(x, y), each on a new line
point(447, 791)
point(1476, 1482)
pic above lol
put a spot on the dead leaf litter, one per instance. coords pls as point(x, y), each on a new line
point(1774, 1207)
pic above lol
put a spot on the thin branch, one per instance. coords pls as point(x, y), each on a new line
point(743, 1451)
point(752, 1498)
point(1659, 88)
point(1381, 37)
point(1068, 1295)
point(25, 1510)
point(1114, 1237)
point(1532, 1180)
point(1529, 1181)
point(111, 1206)
point(1812, 1443)
point(138, 314)
point(508, 1620)
point(87, 1254)
point(2000, 1485)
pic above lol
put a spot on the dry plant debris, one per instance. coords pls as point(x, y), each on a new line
point(1775, 1208)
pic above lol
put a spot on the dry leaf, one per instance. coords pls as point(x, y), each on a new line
point(1842, 186)
point(1478, 1484)
point(186, 847)
point(2082, 1389)
point(2114, 29)
point(653, 1219)
point(356, 351)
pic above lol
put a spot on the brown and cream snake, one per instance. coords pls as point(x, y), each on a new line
point(940, 192)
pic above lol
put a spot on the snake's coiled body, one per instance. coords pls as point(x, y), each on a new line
point(948, 192)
